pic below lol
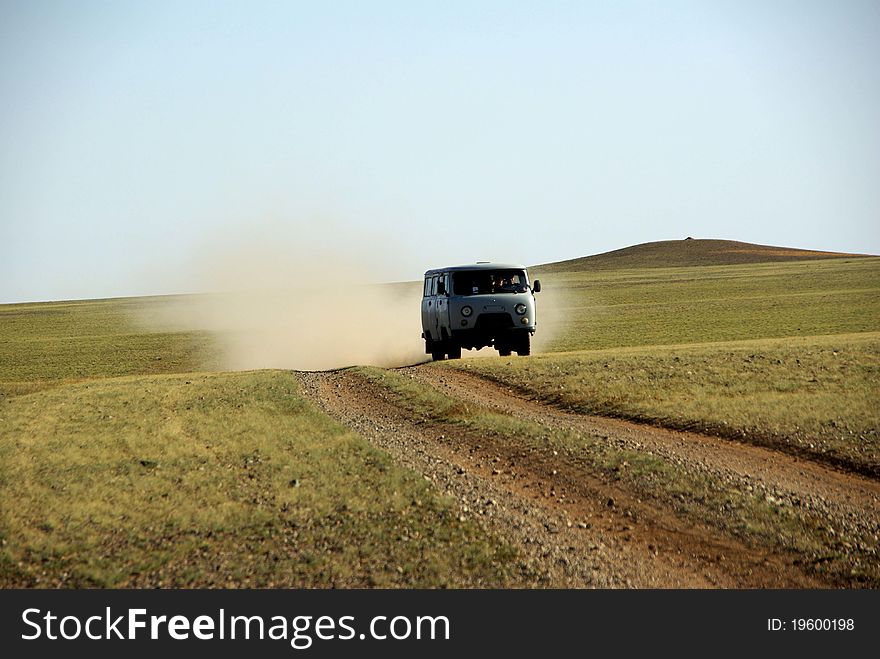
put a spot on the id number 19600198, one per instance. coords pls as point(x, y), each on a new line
point(811, 625)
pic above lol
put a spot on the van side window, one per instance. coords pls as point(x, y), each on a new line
point(442, 280)
point(433, 285)
point(427, 286)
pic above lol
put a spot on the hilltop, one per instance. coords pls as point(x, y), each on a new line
point(689, 252)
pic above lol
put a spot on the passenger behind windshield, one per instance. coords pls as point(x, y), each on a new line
point(489, 282)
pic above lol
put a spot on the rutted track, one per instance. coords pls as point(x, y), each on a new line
point(575, 527)
point(853, 499)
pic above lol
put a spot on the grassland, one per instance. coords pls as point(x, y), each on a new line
point(669, 306)
point(216, 480)
point(44, 344)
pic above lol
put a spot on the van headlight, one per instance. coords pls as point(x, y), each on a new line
point(466, 311)
point(520, 308)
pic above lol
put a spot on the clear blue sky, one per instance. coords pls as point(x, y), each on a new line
point(135, 134)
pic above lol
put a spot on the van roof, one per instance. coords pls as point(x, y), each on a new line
point(476, 266)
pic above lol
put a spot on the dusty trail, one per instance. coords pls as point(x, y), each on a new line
point(849, 500)
point(574, 527)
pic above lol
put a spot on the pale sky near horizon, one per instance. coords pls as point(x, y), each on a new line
point(137, 137)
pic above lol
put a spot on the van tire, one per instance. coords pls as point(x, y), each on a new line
point(524, 346)
point(503, 350)
point(454, 351)
point(437, 353)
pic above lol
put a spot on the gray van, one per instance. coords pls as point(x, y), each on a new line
point(474, 306)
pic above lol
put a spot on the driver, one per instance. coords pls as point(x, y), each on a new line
point(507, 285)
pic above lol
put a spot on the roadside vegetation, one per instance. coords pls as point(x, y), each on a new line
point(217, 480)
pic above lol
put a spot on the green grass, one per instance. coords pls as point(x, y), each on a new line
point(216, 480)
point(812, 395)
point(746, 514)
point(591, 310)
point(44, 343)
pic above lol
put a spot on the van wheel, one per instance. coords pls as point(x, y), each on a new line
point(437, 353)
point(524, 346)
point(454, 351)
point(504, 351)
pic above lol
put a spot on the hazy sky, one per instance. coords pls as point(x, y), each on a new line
point(137, 137)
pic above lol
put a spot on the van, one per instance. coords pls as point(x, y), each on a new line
point(475, 306)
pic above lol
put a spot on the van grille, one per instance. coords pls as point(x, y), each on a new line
point(492, 321)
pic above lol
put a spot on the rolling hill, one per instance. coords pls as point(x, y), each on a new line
point(689, 252)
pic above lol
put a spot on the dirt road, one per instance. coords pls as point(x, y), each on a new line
point(576, 526)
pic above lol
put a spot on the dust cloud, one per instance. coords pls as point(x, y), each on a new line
point(297, 306)
point(552, 312)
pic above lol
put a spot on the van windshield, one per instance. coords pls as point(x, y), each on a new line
point(495, 282)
